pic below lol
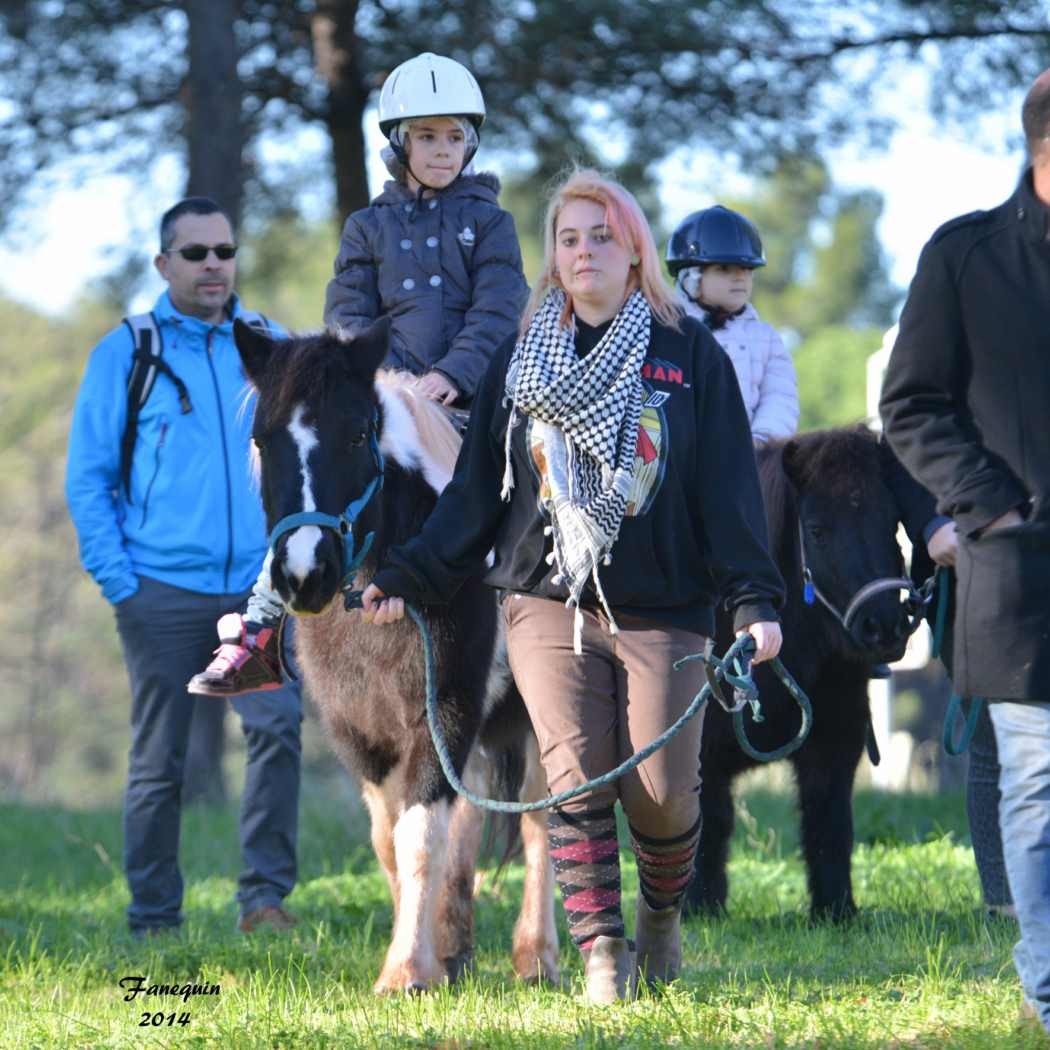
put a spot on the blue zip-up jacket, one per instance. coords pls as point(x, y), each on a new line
point(195, 519)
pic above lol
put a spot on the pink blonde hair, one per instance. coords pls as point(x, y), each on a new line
point(627, 223)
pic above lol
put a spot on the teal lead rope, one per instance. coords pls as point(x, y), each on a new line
point(951, 745)
point(737, 657)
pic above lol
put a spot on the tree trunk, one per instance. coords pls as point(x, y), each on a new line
point(214, 126)
point(334, 40)
point(215, 145)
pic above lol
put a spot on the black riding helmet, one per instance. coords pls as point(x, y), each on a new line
point(714, 235)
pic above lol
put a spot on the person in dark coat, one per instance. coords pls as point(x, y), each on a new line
point(609, 469)
point(934, 540)
point(436, 254)
point(964, 405)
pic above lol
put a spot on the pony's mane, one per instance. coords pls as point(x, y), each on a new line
point(437, 439)
point(842, 461)
point(417, 431)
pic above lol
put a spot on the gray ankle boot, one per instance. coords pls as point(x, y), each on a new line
point(658, 939)
point(609, 970)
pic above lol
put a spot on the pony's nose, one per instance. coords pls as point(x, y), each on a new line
point(308, 588)
point(870, 631)
point(883, 634)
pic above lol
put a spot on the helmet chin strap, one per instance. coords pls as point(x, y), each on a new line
point(422, 185)
point(692, 298)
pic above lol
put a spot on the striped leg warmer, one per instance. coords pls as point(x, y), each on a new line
point(665, 866)
point(586, 858)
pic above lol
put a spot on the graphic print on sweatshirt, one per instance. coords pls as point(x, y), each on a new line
point(650, 457)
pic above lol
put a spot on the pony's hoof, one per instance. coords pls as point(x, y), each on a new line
point(457, 965)
point(840, 913)
point(536, 967)
point(404, 981)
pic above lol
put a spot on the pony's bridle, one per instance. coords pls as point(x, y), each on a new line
point(916, 601)
point(342, 524)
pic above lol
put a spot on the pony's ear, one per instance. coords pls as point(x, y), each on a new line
point(368, 349)
point(254, 347)
point(789, 459)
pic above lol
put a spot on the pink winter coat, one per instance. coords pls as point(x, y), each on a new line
point(763, 370)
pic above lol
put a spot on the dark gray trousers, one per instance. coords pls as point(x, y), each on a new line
point(168, 635)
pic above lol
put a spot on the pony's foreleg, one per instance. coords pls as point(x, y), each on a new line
point(535, 945)
point(455, 913)
point(826, 806)
point(420, 835)
point(382, 827)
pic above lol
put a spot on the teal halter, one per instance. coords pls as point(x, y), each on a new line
point(342, 523)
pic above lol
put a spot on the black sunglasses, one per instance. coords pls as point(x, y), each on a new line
point(199, 252)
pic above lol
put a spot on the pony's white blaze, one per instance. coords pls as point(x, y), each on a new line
point(300, 552)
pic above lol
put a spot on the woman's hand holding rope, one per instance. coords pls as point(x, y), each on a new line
point(377, 608)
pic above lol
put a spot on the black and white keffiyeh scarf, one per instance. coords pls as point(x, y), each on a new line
point(586, 411)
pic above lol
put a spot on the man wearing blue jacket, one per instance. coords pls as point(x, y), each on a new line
point(173, 545)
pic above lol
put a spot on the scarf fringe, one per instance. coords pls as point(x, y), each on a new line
point(508, 470)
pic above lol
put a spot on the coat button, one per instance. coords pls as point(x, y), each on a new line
point(406, 244)
point(433, 205)
point(435, 281)
point(408, 284)
point(432, 242)
point(408, 207)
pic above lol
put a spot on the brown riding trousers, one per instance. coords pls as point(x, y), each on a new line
point(592, 711)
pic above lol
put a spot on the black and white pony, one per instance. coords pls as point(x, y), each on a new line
point(351, 456)
point(832, 527)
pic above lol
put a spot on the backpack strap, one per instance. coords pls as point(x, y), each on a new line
point(147, 362)
point(260, 322)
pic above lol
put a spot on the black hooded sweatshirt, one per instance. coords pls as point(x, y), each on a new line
point(695, 530)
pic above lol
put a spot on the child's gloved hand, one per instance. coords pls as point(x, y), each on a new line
point(438, 388)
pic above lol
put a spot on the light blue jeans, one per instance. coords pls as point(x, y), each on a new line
point(1022, 733)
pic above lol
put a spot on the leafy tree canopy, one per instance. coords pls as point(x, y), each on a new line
point(111, 79)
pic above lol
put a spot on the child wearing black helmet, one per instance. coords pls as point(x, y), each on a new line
point(436, 254)
point(712, 255)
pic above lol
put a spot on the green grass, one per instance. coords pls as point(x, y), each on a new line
point(921, 967)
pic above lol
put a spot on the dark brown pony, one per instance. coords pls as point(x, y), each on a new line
point(333, 432)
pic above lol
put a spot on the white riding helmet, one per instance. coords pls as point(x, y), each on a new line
point(430, 86)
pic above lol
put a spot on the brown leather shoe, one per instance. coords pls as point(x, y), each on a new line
point(272, 915)
point(609, 971)
point(658, 938)
point(246, 661)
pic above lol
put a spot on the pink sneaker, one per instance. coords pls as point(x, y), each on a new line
point(247, 661)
